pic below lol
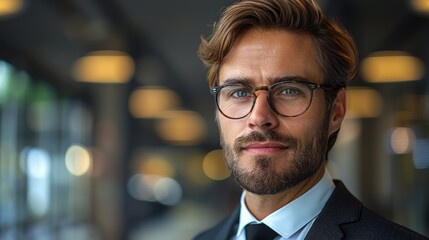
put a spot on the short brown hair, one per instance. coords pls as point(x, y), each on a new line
point(337, 50)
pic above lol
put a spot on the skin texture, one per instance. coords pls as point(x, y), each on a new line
point(276, 159)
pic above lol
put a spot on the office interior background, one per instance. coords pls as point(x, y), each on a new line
point(107, 126)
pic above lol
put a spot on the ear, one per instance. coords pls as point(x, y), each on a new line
point(338, 111)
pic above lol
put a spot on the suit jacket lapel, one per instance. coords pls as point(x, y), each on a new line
point(229, 227)
point(341, 208)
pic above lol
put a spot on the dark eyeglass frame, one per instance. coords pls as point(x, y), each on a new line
point(312, 86)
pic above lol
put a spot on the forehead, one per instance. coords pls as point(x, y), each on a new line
point(260, 55)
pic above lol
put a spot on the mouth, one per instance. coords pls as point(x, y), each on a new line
point(264, 148)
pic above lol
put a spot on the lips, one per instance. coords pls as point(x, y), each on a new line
point(264, 148)
point(264, 143)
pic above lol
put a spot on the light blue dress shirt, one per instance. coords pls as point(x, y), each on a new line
point(294, 220)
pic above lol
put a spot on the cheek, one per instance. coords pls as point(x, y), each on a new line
point(302, 127)
point(312, 119)
point(228, 129)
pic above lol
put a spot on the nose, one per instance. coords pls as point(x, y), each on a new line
point(262, 116)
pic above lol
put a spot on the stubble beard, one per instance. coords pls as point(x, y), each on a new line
point(305, 159)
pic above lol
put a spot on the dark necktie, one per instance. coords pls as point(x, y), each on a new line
point(259, 232)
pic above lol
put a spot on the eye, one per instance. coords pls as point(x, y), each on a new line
point(236, 92)
point(240, 93)
point(290, 91)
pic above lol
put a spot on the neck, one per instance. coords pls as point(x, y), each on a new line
point(263, 205)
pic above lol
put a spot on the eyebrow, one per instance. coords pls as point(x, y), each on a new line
point(248, 81)
point(288, 78)
point(244, 81)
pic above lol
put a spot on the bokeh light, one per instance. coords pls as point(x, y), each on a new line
point(363, 103)
point(151, 102)
point(214, 165)
point(38, 167)
point(392, 66)
point(402, 140)
point(8, 7)
point(153, 164)
point(167, 191)
point(154, 188)
point(420, 5)
point(78, 160)
point(181, 127)
point(421, 154)
point(106, 66)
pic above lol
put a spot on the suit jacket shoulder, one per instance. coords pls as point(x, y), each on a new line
point(345, 217)
point(223, 230)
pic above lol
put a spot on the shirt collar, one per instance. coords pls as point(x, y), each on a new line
point(292, 217)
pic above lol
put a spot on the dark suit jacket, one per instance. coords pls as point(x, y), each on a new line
point(343, 217)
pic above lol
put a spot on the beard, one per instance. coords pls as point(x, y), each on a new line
point(265, 177)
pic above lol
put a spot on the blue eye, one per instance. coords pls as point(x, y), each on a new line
point(240, 93)
point(236, 92)
point(291, 91)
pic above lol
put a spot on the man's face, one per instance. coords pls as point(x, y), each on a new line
point(268, 153)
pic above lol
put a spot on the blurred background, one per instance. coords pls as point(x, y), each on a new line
point(107, 126)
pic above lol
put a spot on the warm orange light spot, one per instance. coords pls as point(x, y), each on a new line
point(214, 165)
point(181, 127)
point(392, 66)
point(152, 102)
point(8, 7)
point(363, 103)
point(104, 67)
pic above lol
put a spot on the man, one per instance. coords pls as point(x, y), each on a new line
point(278, 70)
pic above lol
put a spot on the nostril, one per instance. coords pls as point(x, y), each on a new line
point(262, 117)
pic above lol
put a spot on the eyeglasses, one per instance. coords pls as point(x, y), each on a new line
point(286, 98)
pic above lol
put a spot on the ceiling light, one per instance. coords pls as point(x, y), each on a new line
point(8, 7)
point(152, 102)
point(420, 5)
point(153, 164)
point(181, 127)
point(392, 66)
point(104, 67)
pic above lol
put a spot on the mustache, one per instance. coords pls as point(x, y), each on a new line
point(271, 136)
